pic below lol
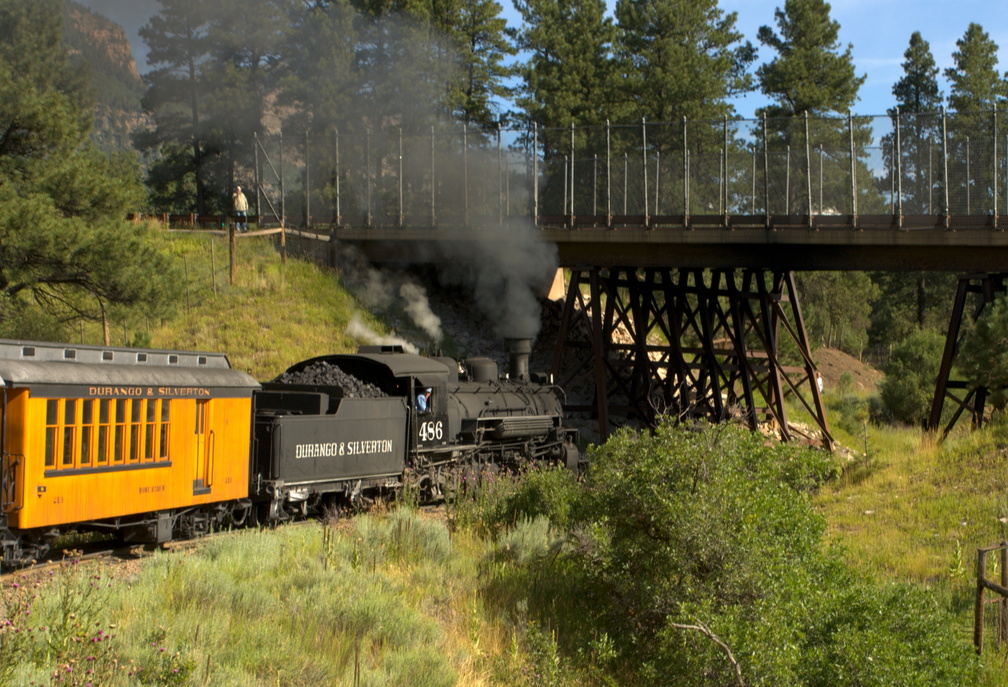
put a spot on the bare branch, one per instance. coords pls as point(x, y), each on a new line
point(700, 627)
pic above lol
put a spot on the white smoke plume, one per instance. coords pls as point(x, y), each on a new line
point(360, 331)
point(418, 308)
point(377, 289)
point(504, 269)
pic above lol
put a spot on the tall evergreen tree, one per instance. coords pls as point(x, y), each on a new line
point(914, 300)
point(809, 74)
point(680, 58)
point(65, 250)
point(975, 83)
point(813, 74)
point(569, 75)
point(477, 34)
point(178, 46)
point(976, 88)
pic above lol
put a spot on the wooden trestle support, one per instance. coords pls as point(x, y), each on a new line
point(963, 395)
point(690, 343)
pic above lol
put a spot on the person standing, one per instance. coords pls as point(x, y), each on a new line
point(240, 208)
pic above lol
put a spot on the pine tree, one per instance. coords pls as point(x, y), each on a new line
point(680, 58)
point(569, 75)
point(976, 85)
point(811, 76)
point(178, 45)
point(914, 300)
point(976, 89)
point(66, 249)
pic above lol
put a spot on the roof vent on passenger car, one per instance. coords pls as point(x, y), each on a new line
point(28, 352)
point(141, 357)
point(173, 359)
point(201, 360)
point(69, 354)
point(107, 355)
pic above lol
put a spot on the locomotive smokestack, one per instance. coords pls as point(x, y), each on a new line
point(518, 357)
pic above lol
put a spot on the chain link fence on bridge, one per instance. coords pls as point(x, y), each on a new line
point(901, 165)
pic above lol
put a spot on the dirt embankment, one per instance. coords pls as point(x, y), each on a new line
point(833, 364)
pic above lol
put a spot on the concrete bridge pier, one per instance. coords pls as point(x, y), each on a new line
point(689, 343)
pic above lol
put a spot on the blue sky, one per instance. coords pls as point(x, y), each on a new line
point(880, 32)
point(878, 29)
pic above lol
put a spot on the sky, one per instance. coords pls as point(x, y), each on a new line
point(879, 31)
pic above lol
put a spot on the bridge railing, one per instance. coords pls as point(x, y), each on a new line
point(905, 165)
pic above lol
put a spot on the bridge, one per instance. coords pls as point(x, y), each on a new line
point(682, 237)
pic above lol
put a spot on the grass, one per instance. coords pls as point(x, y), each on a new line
point(275, 314)
point(389, 598)
point(360, 605)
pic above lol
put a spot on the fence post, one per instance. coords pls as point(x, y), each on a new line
point(766, 174)
point(808, 172)
point(644, 152)
point(978, 611)
point(608, 166)
point(595, 186)
point(500, 178)
point(400, 179)
point(948, 216)
point(1003, 604)
point(685, 174)
point(232, 249)
point(995, 167)
point(724, 172)
point(572, 176)
point(433, 180)
point(307, 182)
point(899, 167)
point(465, 175)
point(565, 187)
point(853, 171)
point(657, 180)
point(255, 137)
point(535, 172)
point(283, 192)
point(367, 171)
point(339, 217)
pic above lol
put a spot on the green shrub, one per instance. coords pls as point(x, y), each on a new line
point(909, 384)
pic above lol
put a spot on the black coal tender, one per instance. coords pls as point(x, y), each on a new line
point(344, 427)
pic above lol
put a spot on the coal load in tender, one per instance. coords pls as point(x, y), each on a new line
point(324, 374)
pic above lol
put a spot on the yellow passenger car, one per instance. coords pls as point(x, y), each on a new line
point(145, 442)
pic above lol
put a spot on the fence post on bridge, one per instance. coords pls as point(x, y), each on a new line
point(808, 172)
point(995, 168)
point(766, 175)
point(853, 171)
point(685, 175)
point(948, 216)
point(724, 167)
point(608, 167)
point(899, 169)
point(644, 151)
point(535, 172)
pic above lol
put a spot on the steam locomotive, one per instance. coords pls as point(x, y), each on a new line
point(155, 444)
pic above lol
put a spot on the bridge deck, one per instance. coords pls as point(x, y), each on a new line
point(793, 242)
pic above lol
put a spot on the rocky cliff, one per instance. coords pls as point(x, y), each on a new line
point(117, 85)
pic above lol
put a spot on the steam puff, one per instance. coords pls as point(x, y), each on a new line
point(504, 269)
point(362, 332)
point(419, 310)
point(377, 289)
